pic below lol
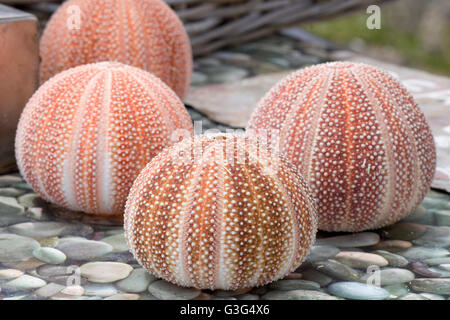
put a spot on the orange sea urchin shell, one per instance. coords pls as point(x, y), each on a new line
point(85, 135)
point(143, 33)
point(219, 212)
point(357, 137)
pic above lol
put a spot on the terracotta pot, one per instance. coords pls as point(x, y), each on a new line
point(19, 65)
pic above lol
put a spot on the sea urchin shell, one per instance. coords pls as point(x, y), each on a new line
point(86, 134)
point(143, 33)
point(219, 212)
point(357, 137)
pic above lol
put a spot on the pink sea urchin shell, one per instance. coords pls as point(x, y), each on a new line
point(357, 137)
point(143, 33)
point(219, 212)
point(86, 134)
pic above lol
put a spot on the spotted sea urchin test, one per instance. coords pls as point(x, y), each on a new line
point(86, 134)
point(357, 137)
point(143, 33)
point(220, 212)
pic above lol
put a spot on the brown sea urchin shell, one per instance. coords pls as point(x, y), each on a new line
point(86, 134)
point(220, 212)
point(357, 137)
point(143, 33)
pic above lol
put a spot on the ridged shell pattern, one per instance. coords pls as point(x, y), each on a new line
point(357, 137)
point(220, 212)
point(143, 33)
point(85, 135)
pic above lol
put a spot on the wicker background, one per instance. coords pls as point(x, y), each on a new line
point(213, 24)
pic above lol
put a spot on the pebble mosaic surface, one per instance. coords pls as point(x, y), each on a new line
point(50, 253)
